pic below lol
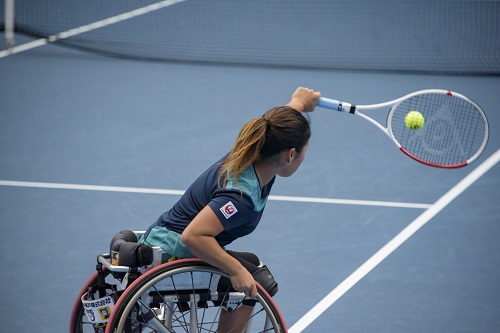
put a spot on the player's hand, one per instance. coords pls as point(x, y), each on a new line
point(304, 99)
point(244, 282)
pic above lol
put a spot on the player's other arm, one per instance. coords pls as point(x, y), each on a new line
point(199, 237)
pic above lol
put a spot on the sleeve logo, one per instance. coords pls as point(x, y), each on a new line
point(228, 210)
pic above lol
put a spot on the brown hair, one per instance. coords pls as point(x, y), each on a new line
point(278, 129)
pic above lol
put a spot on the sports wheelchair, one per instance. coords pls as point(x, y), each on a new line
point(183, 295)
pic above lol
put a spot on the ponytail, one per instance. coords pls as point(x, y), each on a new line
point(262, 138)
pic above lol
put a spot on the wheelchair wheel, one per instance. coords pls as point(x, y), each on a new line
point(188, 296)
point(78, 321)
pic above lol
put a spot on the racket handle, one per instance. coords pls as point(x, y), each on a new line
point(330, 104)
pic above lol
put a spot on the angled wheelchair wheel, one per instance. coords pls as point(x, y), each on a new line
point(78, 321)
point(191, 296)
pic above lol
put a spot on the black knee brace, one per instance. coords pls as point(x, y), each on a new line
point(264, 277)
point(260, 272)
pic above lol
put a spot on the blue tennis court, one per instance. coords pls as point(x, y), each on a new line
point(91, 145)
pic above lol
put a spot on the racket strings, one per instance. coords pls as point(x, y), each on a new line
point(454, 129)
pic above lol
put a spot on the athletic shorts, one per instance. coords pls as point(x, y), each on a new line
point(169, 241)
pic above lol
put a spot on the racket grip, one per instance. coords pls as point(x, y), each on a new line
point(330, 104)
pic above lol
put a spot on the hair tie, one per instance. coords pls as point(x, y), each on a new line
point(268, 123)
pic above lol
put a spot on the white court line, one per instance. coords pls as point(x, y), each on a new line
point(350, 202)
point(90, 187)
point(88, 27)
point(179, 192)
point(392, 245)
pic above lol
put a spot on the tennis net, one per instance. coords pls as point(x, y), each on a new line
point(438, 36)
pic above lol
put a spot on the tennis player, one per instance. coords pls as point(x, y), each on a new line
point(227, 201)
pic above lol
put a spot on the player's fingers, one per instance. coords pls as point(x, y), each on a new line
point(253, 292)
point(313, 97)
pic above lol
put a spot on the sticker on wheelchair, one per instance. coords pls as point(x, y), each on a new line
point(98, 310)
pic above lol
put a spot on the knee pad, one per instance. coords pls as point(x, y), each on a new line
point(135, 254)
point(126, 251)
point(121, 237)
point(264, 277)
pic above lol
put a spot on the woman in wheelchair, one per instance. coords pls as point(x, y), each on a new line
point(227, 200)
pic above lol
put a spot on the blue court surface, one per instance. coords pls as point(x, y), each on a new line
point(91, 145)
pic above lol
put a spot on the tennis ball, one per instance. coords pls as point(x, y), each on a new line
point(414, 120)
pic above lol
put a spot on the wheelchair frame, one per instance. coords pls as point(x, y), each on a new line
point(153, 302)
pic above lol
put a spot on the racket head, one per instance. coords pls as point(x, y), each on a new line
point(455, 130)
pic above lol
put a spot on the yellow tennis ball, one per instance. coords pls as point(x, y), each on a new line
point(414, 120)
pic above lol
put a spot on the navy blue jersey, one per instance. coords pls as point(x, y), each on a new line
point(238, 209)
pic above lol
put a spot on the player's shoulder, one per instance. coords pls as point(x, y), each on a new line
point(248, 183)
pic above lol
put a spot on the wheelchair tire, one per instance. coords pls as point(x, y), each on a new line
point(156, 302)
point(78, 322)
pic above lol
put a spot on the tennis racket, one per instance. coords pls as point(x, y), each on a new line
point(454, 131)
